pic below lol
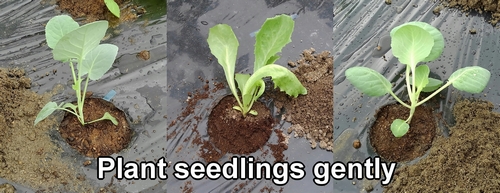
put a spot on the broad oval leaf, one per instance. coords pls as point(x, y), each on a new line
point(274, 34)
point(282, 78)
point(57, 27)
point(223, 45)
point(421, 76)
point(411, 44)
point(433, 85)
point(438, 46)
point(113, 7)
point(472, 79)
point(48, 109)
point(368, 81)
point(98, 61)
point(399, 128)
point(79, 42)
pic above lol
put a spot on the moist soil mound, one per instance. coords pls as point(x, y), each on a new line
point(466, 161)
point(27, 154)
point(230, 132)
point(413, 144)
point(492, 7)
point(101, 138)
point(311, 115)
point(94, 10)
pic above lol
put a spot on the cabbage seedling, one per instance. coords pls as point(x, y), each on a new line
point(113, 7)
point(412, 43)
point(79, 44)
point(274, 34)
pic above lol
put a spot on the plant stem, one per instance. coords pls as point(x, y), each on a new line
point(435, 93)
point(78, 92)
point(399, 100)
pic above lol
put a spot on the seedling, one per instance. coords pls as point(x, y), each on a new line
point(412, 43)
point(79, 44)
point(113, 7)
point(274, 34)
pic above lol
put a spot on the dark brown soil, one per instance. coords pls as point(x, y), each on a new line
point(100, 138)
point(27, 154)
point(492, 7)
point(466, 161)
point(230, 132)
point(412, 145)
point(311, 115)
point(94, 10)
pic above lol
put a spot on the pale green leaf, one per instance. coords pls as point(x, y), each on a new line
point(433, 85)
point(472, 79)
point(249, 97)
point(224, 46)
point(438, 46)
point(421, 76)
point(98, 61)
point(399, 128)
point(113, 7)
point(241, 80)
point(282, 78)
point(411, 44)
point(48, 109)
point(368, 81)
point(274, 34)
point(57, 27)
point(79, 42)
point(106, 116)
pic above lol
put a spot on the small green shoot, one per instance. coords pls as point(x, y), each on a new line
point(113, 7)
point(412, 43)
point(274, 34)
point(73, 43)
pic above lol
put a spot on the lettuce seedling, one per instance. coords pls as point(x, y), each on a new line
point(113, 7)
point(274, 34)
point(79, 44)
point(412, 43)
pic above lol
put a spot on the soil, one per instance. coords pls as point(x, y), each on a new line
point(27, 154)
point(231, 132)
point(491, 7)
point(311, 115)
point(94, 10)
point(413, 144)
point(466, 161)
point(100, 138)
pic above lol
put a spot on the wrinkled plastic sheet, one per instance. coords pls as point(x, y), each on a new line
point(189, 58)
point(359, 26)
point(140, 85)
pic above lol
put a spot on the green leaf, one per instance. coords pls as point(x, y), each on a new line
point(98, 61)
point(411, 44)
point(249, 97)
point(272, 59)
point(421, 76)
point(224, 46)
point(438, 46)
point(399, 128)
point(368, 81)
point(106, 116)
point(79, 42)
point(472, 79)
point(433, 85)
point(282, 78)
point(241, 79)
point(57, 27)
point(274, 34)
point(113, 7)
point(48, 109)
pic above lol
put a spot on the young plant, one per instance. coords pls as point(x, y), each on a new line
point(412, 43)
point(274, 34)
point(79, 44)
point(113, 7)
